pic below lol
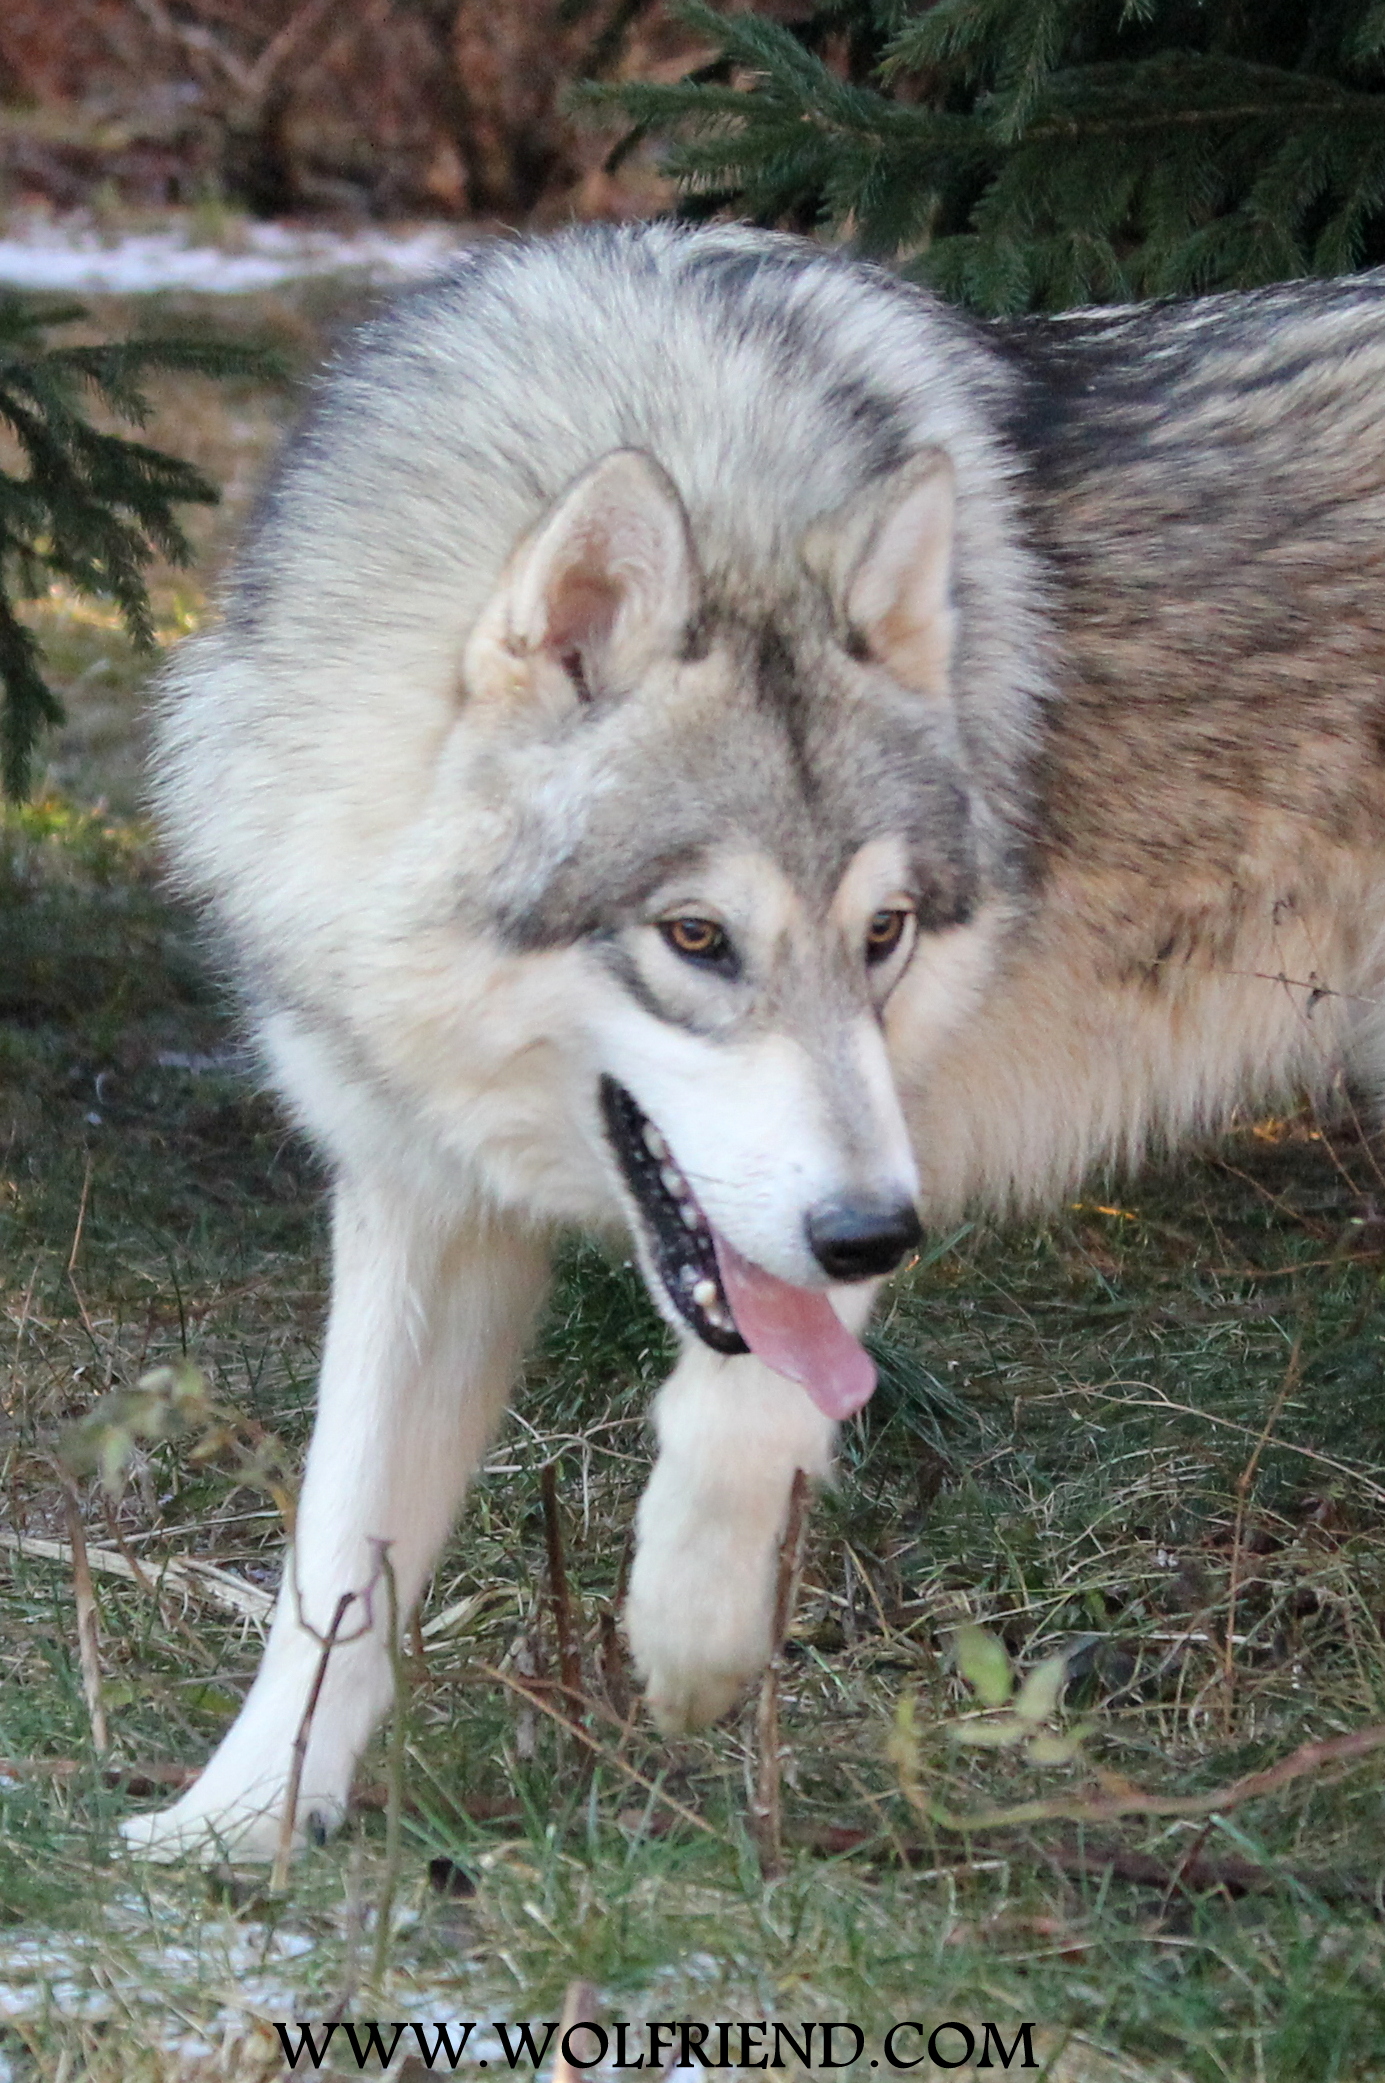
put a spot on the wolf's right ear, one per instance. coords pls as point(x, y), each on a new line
point(886, 561)
point(605, 585)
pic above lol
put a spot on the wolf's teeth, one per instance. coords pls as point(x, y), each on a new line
point(673, 1182)
point(705, 1295)
point(691, 1219)
point(654, 1142)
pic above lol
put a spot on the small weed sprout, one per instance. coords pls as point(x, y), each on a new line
point(175, 1402)
point(984, 1665)
point(1008, 1719)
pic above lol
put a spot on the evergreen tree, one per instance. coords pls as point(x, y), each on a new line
point(90, 507)
point(1036, 154)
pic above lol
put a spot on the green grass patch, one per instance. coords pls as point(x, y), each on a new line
point(1059, 1452)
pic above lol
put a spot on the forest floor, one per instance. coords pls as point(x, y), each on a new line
point(1147, 1436)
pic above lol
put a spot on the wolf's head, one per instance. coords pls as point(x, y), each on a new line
point(750, 823)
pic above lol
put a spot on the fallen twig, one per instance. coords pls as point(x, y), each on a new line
point(180, 1573)
point(1090, 1858)
point(1198, 1873)
point(1109, 1806)
point(463, 1610)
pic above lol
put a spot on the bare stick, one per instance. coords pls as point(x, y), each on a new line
point(579, 2004)
point(560, 1598)
point(278, 1879)
point(609, 1757)
point(394, 1779)
point(87, 1639)
point(765, 1809)
point(1243, 1488)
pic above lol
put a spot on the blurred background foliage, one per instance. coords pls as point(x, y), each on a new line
point(1037, 154)
point(1016, 155)
point(352, 108)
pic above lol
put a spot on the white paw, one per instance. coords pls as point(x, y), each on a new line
point(691, 1676)
point(699, 1614)
point(245, 1829)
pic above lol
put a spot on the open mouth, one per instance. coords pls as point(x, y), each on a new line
point(732, 1304)
point(677, 1232)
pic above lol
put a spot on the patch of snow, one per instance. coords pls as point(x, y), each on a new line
point(60, 254)
point(212, 1991)
point(181, 1059)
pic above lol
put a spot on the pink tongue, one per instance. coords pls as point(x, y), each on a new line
point(797, 1332)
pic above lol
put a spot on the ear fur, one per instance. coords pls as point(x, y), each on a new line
point(604, 585)
point(886, 561)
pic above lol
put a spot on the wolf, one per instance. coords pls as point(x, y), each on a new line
point(709, 745)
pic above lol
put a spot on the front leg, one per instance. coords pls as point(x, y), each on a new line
point(428, 1324)
point(701, 1604)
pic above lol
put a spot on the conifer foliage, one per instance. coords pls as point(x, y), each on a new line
point(84, 505)
point(1036, 154)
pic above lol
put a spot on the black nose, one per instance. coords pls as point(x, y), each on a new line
point(851, 1240)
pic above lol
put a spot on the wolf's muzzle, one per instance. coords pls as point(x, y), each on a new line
point(853, 1240)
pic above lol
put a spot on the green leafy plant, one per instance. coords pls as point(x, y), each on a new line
point(84, 505)
point(1035, 154)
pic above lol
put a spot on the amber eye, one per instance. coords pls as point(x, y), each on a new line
point(698, 940)
point(884, 933)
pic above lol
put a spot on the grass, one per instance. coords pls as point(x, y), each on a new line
point(1148, 1433)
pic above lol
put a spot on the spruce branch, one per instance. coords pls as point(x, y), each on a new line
point(84, 505)
point(1027, 154)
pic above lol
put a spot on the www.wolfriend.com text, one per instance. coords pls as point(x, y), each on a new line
point(906, 2046)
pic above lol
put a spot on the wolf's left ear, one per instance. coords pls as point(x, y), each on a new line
point(886, 560)
point(606, 584)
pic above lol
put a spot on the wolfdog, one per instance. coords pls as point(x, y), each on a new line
point(709, 744)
